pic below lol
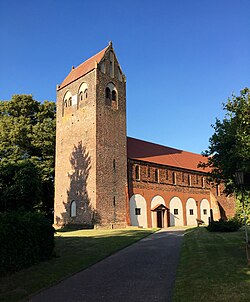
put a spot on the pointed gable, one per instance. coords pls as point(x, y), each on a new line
point(83, 68)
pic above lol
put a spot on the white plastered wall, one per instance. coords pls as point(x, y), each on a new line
point(138, 201)
point(176, 219)
point(205, 206)
point(191, 205)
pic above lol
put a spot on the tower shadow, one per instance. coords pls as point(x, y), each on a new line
point(79, 210)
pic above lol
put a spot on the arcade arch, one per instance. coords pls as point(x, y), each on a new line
point(191, 211)
point(205, 211)
point(138, 211)
point(176, 212)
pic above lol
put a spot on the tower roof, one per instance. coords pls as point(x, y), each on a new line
point(83, 68)
point(163, 155)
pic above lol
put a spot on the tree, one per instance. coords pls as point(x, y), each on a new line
point(20, 186)
point(27, 143)
point(229, 149)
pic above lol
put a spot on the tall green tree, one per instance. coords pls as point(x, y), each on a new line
point(229, 146)
point(27, 143)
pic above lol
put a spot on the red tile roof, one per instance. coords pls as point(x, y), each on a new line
point(158, 154)
point(83, 68)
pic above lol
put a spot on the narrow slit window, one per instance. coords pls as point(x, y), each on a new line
point(114, 95)
point(137, 172)
point(174, 178)
point(218, 190)
point(85, 94)
point(202, 182)
point(70, 102)
point(107, 93)
point(156, 175)
point(80, 96)
point(148, 171)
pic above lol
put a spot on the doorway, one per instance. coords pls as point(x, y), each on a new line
point(159, 219)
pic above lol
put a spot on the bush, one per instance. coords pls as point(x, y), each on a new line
point(231, 225)
point(26, 239)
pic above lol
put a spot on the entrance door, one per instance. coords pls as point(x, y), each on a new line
point(159, 219)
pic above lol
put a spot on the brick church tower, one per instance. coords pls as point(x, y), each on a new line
point(91, 153)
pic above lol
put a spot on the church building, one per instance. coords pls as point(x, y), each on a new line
point(106, 179)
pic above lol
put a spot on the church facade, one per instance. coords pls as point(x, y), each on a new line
point(104, 178)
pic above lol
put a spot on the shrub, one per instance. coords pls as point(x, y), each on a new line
point(231, 225)
point(26, 239)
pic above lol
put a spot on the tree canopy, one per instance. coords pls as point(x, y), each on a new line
point(229, 146)
point(27, 147)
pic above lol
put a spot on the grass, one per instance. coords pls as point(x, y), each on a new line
point(212, 267)
point(74, 251)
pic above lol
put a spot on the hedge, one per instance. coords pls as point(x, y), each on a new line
point(25, 239)
point(231, 225)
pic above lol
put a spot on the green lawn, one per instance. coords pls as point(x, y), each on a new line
point(74, 251)
point(212, 267)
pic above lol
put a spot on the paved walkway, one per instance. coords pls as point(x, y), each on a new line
point(142, 272)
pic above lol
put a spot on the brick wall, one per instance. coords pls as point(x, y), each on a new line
point(75, 177)
point(91, 158)
point(188, 184)
point(111, 149)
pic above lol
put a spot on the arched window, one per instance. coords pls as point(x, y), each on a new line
point(137, 172)
point(73, 209)
point(82, 95)
point(111, 96)
point(67, 102)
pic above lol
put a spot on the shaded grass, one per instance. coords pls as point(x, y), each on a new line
point(74, 251)
point(212, 267)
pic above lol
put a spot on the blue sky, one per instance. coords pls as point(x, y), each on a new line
point(182, 59)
